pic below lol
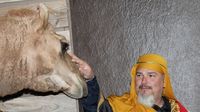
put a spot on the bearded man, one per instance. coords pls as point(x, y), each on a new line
point(150, 90)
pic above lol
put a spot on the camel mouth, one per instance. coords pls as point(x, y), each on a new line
point(76, 92)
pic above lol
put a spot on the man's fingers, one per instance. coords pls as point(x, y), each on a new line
point(83, 66)
point(76, 59)
point(73, 56)
point(79, 62)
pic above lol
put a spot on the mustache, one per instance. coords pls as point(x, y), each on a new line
point(145, 87)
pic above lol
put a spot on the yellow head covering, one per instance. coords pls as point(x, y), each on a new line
point(128, 101)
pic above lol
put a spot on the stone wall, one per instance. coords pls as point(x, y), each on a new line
point(111, 34)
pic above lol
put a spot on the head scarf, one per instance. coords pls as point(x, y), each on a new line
point(128, 101)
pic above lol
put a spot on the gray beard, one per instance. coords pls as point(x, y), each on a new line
point(146, 100)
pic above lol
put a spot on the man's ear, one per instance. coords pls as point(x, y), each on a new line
point(164, 83)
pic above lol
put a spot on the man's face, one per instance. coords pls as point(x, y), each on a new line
point(149, 82)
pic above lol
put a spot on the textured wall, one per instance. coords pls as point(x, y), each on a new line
point(111, 34)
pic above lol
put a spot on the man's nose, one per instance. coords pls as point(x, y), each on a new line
point(144, 79)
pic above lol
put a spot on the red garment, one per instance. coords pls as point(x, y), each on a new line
point(182, 108)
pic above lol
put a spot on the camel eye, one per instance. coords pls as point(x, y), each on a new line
point(64, 47)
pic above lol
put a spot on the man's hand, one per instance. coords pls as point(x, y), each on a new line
point(84, 67)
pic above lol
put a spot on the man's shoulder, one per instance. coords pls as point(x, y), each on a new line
point(176, 106)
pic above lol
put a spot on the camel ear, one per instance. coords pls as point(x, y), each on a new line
point(41, 23)
point(44, 14)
